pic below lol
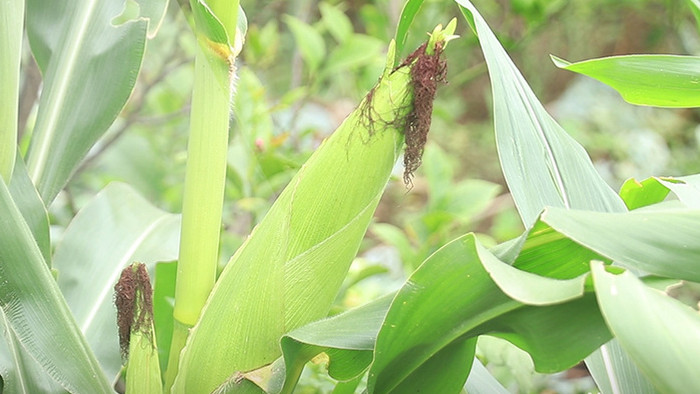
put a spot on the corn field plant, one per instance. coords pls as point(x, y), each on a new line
point(586, 280)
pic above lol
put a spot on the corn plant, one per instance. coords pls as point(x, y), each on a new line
point(585, 280)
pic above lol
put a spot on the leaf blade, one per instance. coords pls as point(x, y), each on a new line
point(72, 46)
point(670, 81)
point(41, 319)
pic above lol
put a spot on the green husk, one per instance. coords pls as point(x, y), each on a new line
point(289, 270)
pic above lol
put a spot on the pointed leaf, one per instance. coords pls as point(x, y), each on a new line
point(526, 134)
point(480, 381)
point(542, 164)
point(687, 189)
point(408, 14)
point(659, 80)
point(89, 68)
point(36, 310)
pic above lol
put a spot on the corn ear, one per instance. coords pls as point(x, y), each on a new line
point(134, 302)
point(288, 271)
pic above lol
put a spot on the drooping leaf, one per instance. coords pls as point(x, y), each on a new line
point(660, 334)
point(89, 68)
point(154, 11)
point(659, 80)
point(113, 230)
point(349, 335)
point(463, 291)
point(658, 242)
point(37, 312)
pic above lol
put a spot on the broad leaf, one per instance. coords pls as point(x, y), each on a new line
point(658, 80)
point(463, 291)
point(543, 166)
point(660, 334)
point(658, 242)
point(20, 373)
point(89, 68)
point(41, 320)
point(116, 228)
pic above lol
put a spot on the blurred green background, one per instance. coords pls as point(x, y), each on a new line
point(304, 67)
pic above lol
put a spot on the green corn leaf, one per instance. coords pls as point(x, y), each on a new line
point(463, 291)
point(33, 210)
point(41, 319)
point(116, 228)
point(480, 381)
point(89, 68)
point(660, 334)
point(542, 164)
point(11, 23)
point(163, 296)
point(660, 242)
point(20, 373)
point(637, 194)
point(348, 339)
point(408, 14)
point(289, 270)
point(686, 188)
point(525, 134)
point(660, 80)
